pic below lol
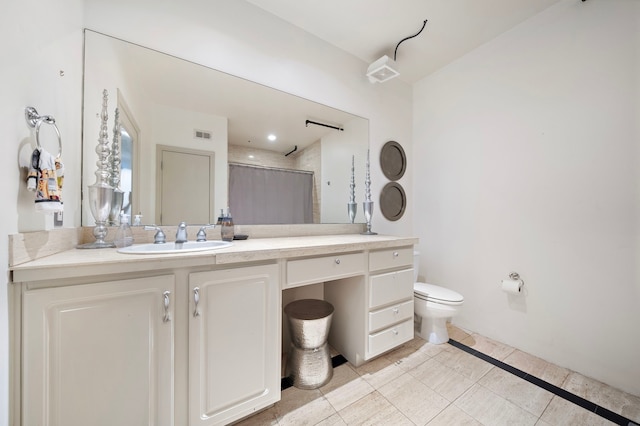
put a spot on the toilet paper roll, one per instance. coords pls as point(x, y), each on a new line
point(512, 286)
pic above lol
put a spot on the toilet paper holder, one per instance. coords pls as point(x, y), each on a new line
point(514, 284)
point(514, 276)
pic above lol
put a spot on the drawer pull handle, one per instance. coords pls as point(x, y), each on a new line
point(196, 300)
point(337, 261)
point(396, 310)
point(166, 301)
point(396, 254)
point(395, 331)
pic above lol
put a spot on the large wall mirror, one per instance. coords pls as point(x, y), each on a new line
point(190, 133)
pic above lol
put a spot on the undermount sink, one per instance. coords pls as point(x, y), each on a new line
point(173, 247)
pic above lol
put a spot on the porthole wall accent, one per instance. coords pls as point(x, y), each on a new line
point(393, 160)
point(393, 201)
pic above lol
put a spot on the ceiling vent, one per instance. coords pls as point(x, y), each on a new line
point(202, 134)
point(385, 68)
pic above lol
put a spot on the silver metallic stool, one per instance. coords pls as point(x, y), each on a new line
point(309, 362)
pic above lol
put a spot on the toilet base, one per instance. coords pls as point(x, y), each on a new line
point(433, 330)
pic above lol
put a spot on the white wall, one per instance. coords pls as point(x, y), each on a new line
point(38, 39)
point(527, 154)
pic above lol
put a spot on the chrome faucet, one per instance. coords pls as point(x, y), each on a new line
point(181, 234)
point(202, 235)
point(160, 237)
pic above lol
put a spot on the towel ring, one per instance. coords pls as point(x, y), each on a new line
point(36, 120)
point(49, 120)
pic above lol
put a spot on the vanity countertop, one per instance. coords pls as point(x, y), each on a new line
point(80, 263)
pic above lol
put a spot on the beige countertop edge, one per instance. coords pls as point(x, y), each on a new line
point(78, 263)
point(305, 251)
point(89, 269)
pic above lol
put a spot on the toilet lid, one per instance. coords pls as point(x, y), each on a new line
point(435, 292)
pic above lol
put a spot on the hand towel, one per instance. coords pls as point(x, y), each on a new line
point(43, 178)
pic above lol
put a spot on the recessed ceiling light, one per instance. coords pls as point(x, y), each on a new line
point(272, 137)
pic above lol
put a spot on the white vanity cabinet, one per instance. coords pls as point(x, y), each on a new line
point(390, 301)
point(324, 268)
point(234, 343)
point(194, 339)
point(99, 353)
point(373, 310)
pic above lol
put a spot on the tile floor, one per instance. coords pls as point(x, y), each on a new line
point(424, 384)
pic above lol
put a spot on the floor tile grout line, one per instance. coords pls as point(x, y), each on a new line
point(450, 402)
point(562, 393)
point(395, 406)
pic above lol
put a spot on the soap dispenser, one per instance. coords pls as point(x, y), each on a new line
point(124, 235)
point(137, 221)
point(220, 218)
point(226, 228)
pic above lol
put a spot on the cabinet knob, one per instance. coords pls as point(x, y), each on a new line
point(196, 300)
point(166, 301)
point(396, 310)
point(396, 254)
point(395, 331)
point(337, 261)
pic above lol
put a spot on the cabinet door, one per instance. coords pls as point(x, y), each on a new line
point(234, 343)
point(99, 354)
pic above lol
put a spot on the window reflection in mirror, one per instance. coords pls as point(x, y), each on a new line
point(125, 170)
point(129, 137)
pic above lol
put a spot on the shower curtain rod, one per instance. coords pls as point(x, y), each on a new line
point(295, 148)
point(279, 169)
point(306, 123)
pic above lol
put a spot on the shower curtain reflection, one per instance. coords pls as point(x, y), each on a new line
point(260, 195)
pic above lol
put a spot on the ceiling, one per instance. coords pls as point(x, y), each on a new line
point(369, 29)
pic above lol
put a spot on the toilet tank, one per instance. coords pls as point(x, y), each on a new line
point(416, 265)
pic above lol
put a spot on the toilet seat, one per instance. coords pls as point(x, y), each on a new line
point(437, 294)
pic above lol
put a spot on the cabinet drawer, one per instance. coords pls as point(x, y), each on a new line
point(390, 258)
point(391, 287)
point(390, 338)
point(395, 313)
point(325, 268)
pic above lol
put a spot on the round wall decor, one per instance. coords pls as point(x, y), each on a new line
point(393, 201)
point(393, 160)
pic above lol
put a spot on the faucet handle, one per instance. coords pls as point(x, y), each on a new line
point(160, 237)
point(202, 235)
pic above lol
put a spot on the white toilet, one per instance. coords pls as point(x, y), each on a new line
point(432, 306)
